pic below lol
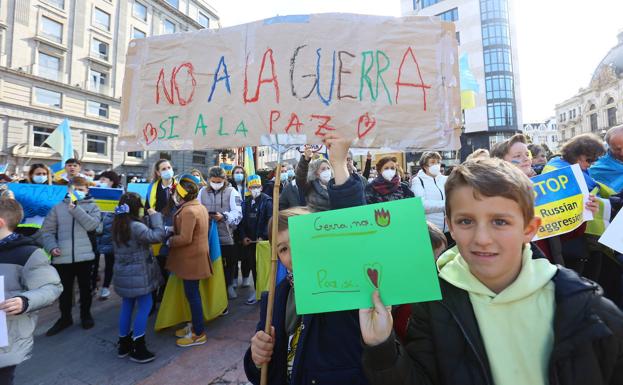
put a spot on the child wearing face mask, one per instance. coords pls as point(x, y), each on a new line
point(64, 235)
point(257, 210)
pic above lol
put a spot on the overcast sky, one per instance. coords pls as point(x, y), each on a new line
point(560, 42)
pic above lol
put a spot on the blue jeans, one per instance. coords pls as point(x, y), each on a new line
point(140, 320)
point(191, 289)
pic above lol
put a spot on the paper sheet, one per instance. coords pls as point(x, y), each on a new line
point(4, 336)
point(613, 236)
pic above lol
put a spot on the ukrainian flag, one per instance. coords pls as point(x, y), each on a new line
point(249, 164)
point(106, 198)
point(174, 308)
point(469, 84)
point(60, 141)
point(262, 263)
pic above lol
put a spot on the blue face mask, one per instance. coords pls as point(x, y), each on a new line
point(166, 174)
point(238, 178)
point(79, 195)
point(290, 173)
point(40, 179)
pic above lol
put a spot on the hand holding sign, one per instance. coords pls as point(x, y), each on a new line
point(376, 324)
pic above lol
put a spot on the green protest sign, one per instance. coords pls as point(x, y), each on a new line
point(339, 257)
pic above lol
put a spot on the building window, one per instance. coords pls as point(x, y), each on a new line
point(40, 135)
point(428, 3)
point(200, 157)
point(501, 114)
point(497, 138)
point(97, 109)
point(135, 154)
point(99, 49)
point(60, 4)
point(165, 155)
point(499, 87)
point(203, 20)
point(139, 11)
point(98, 81)
point(451, 15)
point(612, 117)
point(174, 3)
point(593, 119)
point(497, 59)
point(138, 34)
point(458, 37)
point(47, 97)
point(493, 9)
point(610, 101)
point(101, 19)
point(96, 144)
point(495, 34)
point(169, 27)
point(51, 29)
point(49, 66)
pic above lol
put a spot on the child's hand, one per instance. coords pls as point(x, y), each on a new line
point(593, 204)
point(376, 323)
point(55, 252)
point(246, 241)
point(151, 211)
point(338, 152)
point(12, 306)
point(262, 346)
point(72, 205)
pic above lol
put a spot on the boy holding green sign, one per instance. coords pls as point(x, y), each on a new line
point(505, 318)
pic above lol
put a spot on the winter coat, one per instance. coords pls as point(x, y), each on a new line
point(68, 230)
point(228, 202)
point(136, 271)
point(381, 190)
point(329, 347)
point(104, 241)
point(255, 218)
point(189, 255)
point(27, 273)
point(289, 197)
point(316, 196)
point(432, 192)
point(444, 344)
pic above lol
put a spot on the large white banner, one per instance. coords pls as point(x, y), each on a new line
point(383, 81)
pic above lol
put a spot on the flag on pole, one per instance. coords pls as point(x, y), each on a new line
point(249, 164)
point(60, 141)
point(469, 84)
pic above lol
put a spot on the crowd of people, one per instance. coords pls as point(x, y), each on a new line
point(513, 311)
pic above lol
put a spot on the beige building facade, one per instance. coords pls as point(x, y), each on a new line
point(65, 59)
point(597, 107)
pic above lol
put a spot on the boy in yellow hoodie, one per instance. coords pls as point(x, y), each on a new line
point(505, 318)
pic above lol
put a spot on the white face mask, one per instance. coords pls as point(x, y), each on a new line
point(389, 174)
point(435, 169)
point(255, 192)
point(325, 176)
point(217, 186)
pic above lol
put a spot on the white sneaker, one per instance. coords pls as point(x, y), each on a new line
point(251, 300)
point(246, 281)
point(104, 293)
point(231, 293)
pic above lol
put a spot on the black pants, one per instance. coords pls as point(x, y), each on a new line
point(68, 272)
point(230, 261)
point(109, 258)
point(248, 261)
point(6, 375)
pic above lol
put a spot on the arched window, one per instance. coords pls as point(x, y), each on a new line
point(612, 116)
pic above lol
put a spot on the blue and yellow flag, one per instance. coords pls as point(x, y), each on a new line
point(262, 262)
point(60, 141)
point(249, 163)
point(106, 198)
point(469, 84)
point(174, 308)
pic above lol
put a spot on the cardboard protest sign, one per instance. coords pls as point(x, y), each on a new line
point(613, 236)
point(382, 81)
point(37, 199)
point(106, 198)
point(560, 198)
point(340, 257)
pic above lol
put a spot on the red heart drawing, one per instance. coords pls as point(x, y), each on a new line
point(373, 274)
point(150, 133)
point(367, 122)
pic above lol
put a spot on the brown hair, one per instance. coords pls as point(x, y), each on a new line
point(284, 215)
point(437, 237)
point(192, 189)
point(479, 154)
point(492, 178)
point(589, 145)
point(78, 181)
point(12, 213)
point(428, 155)
point(34, 167)
point(121, 233)
point(157, 166)
point(500, 150)
point(383, 160)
